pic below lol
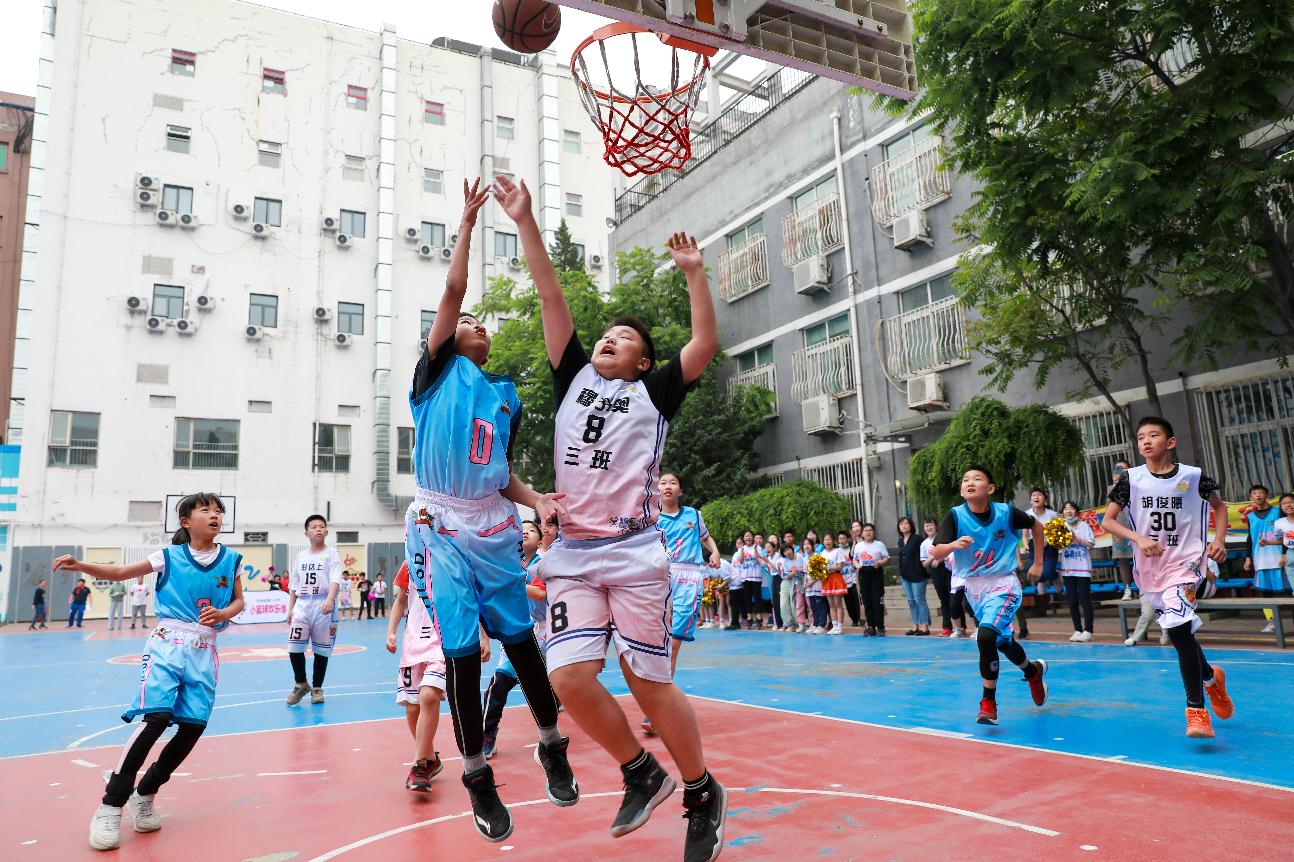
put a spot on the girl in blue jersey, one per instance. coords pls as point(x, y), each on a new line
point(981, 537)
point(198, 591)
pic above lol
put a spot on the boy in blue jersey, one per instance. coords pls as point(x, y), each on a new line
point(463, 535)
point(981, 536)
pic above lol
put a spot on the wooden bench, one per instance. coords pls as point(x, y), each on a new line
point(1275, 605)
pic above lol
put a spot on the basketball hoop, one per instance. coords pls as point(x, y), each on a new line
point(645, 131)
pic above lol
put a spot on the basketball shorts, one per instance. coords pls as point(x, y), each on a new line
point(310, 625)
point(1175, 606)
point(180, 669)
point(610, 589)
point(411, 678)
point(686, 581)
point(995, 600)
point(1271, 579)
point(474, 549)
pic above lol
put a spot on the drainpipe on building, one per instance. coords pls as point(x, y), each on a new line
point(856, 353)
point(383, 293)
point(487, 163)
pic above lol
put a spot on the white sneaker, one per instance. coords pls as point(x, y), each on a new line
point(143, 813)
point(799, 630)
point(970, 633)
point(1085, 637)
point(1163, 638)
point(1130, 642)
point(837, 629)
point(1127, 594)
point(958, 633)
point(105, 828)
point(1269, 628)
point(1076, 637)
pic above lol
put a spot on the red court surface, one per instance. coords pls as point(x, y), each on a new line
point(801, 787)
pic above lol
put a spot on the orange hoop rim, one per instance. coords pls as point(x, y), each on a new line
point(623, 28)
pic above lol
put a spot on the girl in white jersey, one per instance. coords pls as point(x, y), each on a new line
point(1075, 566)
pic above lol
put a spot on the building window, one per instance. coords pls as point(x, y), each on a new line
point(273, 81)
point(756, 368)
point(347, 537)
point(579, 249)
point(821, 333)
point(263, 310)
point(268, 211)
point(404, 450)
point(352, 223)
point(574, 204)
point(433, 234)
point(571, 141)
point(183, 62)
point(168, 301)
point(269, 154)
point(350, 318)
point(1251, 432)
point(177, 199)
point(909, 178)
point(908, 141)
point(504, 128)
point(928, 333)
point(749, 232)
point(752, 359)
point(353, 169)
point(260, 406)
point(356, 97)
point(73, 439)
point(433, 113)
point(823, 188)
point(505, 244)
point(4, 157)
point(1105, 440)
point(428, 321)
point(177, 138)
point(926, 294)
point(332, 448)
point(206, 444)
point(433, 181)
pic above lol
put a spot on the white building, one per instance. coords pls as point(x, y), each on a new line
point(161, 358)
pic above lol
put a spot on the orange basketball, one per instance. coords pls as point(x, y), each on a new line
point(527, 26)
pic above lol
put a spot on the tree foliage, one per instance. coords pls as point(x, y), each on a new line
point(797, 506)
point(1021, 446)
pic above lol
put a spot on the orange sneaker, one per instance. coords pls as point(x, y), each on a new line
point(1223, 708)
point(987, 712)
point(1198, 725)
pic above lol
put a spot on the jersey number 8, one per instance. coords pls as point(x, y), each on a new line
point(560, 622)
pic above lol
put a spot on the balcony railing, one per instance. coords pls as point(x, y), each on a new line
point(764, 376)
point(926, 339)
point(910, 181)
point(743, 268)
point(810, 230)
point(823, 369)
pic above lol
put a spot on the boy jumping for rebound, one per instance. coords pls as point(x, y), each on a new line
point(608, 572)
point(981, 536)
point(312, 610)
point(463, 527)
point(1167, 506)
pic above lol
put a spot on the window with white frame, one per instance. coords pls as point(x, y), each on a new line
point(178, 138)
point(750, 231)
point(1105, 441)
point(928, 333)
point(433, 234)
point(427, 321)
point(433, 181)
point(263, 310)
point(183, 62)
point(404, 450)
point(177, 199)
point(433, 113)
point(353, 169)
point(579, 250)
point(352, 223)
point(571, 141)
point(504, 128)
point(820, 333)
point(823, 188)
point(332, 448)
point(273, 81)
point(73, 439)
point(752, 359)
point(268, 211)
point(168, 301)
point(350, 318)
point(357, 97)
point(574, 204)
point(1249, 432)
point(205, 444)
point(269, 154)
point(505, 244)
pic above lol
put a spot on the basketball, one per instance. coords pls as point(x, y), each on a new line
point(527, 26)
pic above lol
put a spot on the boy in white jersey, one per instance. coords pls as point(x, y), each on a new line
point(1167, 506)
point(608, 571)
point(312, 610)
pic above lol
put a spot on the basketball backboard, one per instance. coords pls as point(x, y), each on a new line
point(867, 43)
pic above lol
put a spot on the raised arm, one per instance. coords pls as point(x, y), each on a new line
point(451, 302)
point(514, 199)
point(698, 352)
point(101, 572)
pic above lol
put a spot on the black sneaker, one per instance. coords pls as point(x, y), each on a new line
point(645, 788)
point(705, 819)
point(489, 816)
point(563, 789)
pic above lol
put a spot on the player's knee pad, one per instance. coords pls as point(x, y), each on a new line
point(986, 639)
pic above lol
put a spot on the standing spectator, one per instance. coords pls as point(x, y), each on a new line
point(764, 603)
point(346, 599)
point(276, 583)
point(1265, 550)
point(76, 603)
point(747, 559)
point(1284, 529)
point(736, 592)
point(1040, 509)
point(38, 606)
point(1121, 549)
point(1076, 569)
point(870, 556)
point(813, 591)
point(116, 598)
point(773, 561)
point(913, 576)
point(834, 587)
point(850, 571)
point(139, 603)
point(365, 598)
point(377, 592)
point(942, 579)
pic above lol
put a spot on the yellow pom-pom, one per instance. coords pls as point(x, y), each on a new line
point(818, 567)
point(1058, 534)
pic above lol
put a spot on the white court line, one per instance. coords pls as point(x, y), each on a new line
point(79, 762)
point(981, 741)
point(302, 772)
point(88, 636)
point(119, 706)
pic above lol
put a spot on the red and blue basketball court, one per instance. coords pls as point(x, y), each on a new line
point(832, 748)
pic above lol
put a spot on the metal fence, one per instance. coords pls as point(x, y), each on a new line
point(743, 268)
point(925, 339)
point(1249, 433)
point(1105, 440)
point(764, 376)
point(823, 369)
point(812, 229)
point(847, 479)
point(910, 181)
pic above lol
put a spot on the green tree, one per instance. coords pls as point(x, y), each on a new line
point(565, 254)
point(798, 506)
point(1022, 446)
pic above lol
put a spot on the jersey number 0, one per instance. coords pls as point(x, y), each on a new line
point(482, 441)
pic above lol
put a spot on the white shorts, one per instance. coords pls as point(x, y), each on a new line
point(601, 589)
point(310, 625)
point(1175, 606)
point(424, 674)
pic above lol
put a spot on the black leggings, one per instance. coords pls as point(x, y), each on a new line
point(949, 604)
point(753, 601)
point(122, 782)
point(851, 605)
point(463, 686)
point(1079, 593)
point(986, 640)
point(736, 605)
point(871, 583)
point(1192, 663)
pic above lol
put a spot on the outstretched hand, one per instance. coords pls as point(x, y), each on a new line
point(686, 255)
point(474, 197)
point(514, 198)
point(548, 510)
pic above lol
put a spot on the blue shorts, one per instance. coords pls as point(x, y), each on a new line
point(470, 552)
point(685, 581)
point(310, 625)
point(1271, 579)
point(995, 599)
point(1050, 561)
point(180, 669)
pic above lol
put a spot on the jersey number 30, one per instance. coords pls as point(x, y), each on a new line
point(482, 442)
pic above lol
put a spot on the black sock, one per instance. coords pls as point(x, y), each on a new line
point(639, 762)
point(298, 660)
point(532, 675)
point(1189, 660)
point(990, 694)
point(320, 668)
point(696, 790)
point(180, 746)
point(122, 782)
point(462, 682)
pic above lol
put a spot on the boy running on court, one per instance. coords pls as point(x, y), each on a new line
point(1168, 515)
point(312, 610)
point(981, 537)
point(608, 571)
point(463, 527)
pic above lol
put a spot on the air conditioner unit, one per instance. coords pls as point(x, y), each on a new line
point(514, 262)
point(137, 304)
point(911, 229)
point(812, 275)
point(328, 224)
point(184, 326)
point(240, 212)
point(144, 181)
point(821, 415)
point(260, 230)
point(412, 234)
point(156, 324)
point(254, 333)
point(145, 197)
point(205, 303)
point(323, 313)
point(926, 393)
point(167, 217)
point(343, 241)
point(188, 220)
point(342, 339)
point(446, 253)
point(426, 251)
point(453, 240)
point(595, 261)
point(422, 345)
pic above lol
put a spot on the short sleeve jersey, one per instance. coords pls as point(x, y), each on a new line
point(464, 422)
point(1262, 526)
point(995, 534)
point(1172, 509)
point(538, 607)
point(188, 581)
point(866, 554)
point(1284, 528)
point(419, 643)
point(746, 559)
point(684, 531)
point(607, 443)
point(312, 573)
point(1076, 560)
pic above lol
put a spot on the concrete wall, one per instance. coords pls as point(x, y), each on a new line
point(15, 130)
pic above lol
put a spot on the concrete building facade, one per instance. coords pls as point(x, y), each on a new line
point(16, 123)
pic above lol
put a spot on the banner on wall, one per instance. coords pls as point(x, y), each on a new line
point(263, 606)
point(1236, 528)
